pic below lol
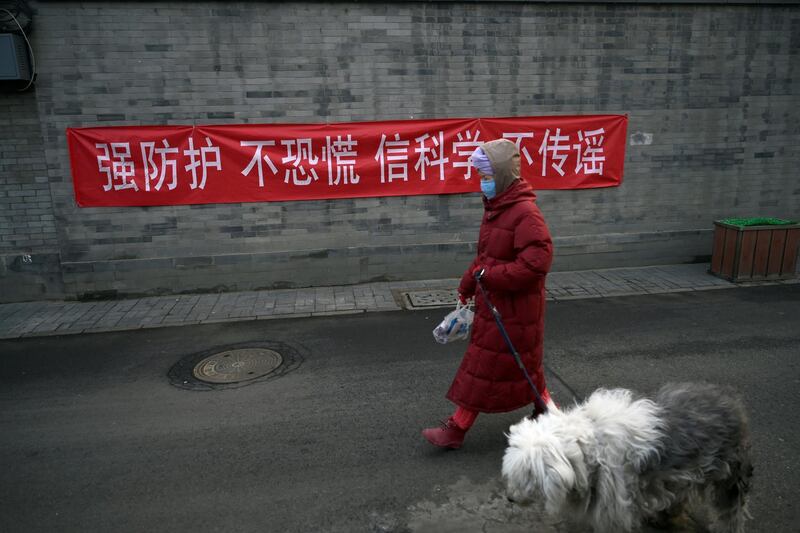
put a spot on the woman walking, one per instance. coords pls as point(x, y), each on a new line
point(515, 252)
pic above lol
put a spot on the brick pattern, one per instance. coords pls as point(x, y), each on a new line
point(714, 86)
point(26, 210)
point(29, 260)
point(30, 319)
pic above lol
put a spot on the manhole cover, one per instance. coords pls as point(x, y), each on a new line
point(233, 366)
point(431, 298)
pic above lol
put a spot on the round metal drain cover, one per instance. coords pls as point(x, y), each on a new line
point(234, 366)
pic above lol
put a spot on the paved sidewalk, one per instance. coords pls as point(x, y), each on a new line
point(30, 319)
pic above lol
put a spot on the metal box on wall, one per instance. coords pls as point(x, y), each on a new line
point(14, 62)
point(752, 253)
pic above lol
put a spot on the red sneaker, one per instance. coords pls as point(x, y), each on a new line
point(447, 435)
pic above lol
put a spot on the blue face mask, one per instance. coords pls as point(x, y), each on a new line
point(489, 189)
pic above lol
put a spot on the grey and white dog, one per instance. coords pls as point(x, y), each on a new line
point(615, 461)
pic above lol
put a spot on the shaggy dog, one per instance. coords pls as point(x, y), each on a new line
point(616, 461)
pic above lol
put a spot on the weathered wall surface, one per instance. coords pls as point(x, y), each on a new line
point(711, 92)
point(29, 248)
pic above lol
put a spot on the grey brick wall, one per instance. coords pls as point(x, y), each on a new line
point(29, 265)
point(711, 92)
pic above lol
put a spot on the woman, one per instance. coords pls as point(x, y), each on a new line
point(514, 252)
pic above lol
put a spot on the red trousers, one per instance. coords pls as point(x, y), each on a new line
point(464, 418)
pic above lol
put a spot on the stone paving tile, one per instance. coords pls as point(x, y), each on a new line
point(9, 310)
point(55, 318)
point(22, 312)
point(590, 282)
point(603, 284)
point(183, 307)
point(202, 307)
point(659, 282)
point(672, 278)
point(96, 311)
point(613, 280)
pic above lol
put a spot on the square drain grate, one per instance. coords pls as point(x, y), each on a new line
point(429, 298)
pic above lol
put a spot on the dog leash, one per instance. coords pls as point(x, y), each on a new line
point(540, 405)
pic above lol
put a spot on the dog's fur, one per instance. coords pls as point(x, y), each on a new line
point(616, 461)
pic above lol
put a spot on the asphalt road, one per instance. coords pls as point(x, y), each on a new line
point(94, 437)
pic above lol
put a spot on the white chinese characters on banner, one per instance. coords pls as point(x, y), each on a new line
point(157, 162)
point(203, 162)
point(153, 169)
point(558, 147)
point(463, 149)
point(591, 160)
point(341, 154)
point(117, 166)
point(303, 151)
point(394, 155)
point(422, 156)
point(436, 151)
point(589, 153)
point(257, 159)
point(516, 138)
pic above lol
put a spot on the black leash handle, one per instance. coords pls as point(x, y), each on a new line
point(540, 405)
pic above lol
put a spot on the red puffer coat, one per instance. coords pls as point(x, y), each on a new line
point(515, 249)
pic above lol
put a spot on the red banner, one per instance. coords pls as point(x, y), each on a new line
point(167, 165)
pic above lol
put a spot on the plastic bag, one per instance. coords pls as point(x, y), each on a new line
point(456, 325)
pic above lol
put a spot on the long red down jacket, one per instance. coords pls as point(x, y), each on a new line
point(515, 249)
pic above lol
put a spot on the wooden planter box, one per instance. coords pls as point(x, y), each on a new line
point(752, 253)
